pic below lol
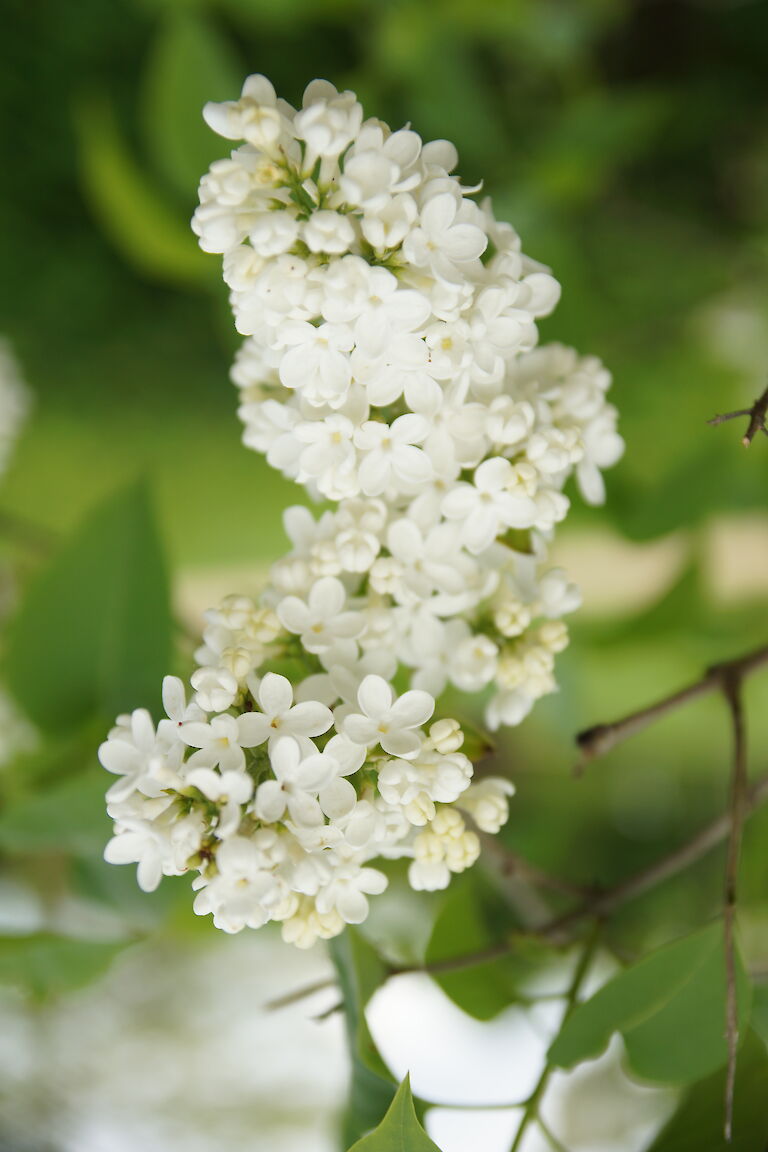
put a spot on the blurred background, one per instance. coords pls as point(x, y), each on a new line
point(628, 144)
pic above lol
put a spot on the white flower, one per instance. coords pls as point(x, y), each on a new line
point(488, 803)
point(415, 786)
point(280, 717)
point(346, 891)
point(317, 362)
point(298, 780)
point(254, 117)
point(244, 889)
point(329, 458)
point(389, 721)
point(328, 121)
point(321, 619)
point(603, 447)
point(360, 524)
point(228, 791)
point(427, 561)
point(442, 242)
point(389, 226)
point(220, 743)
point(145, 843)
point(487, 507)
point(136, 755)
point(328, 232)
point(508, 708)
point(444, 847)
point(390, 455)
point(215, 688)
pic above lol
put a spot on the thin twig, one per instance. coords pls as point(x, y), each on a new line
point(332, 1011)
point(736, 808)
point(559, 930)
point(757, 416)
point(513, 866)
point(600, 739)
point(530, 1112)
point(298, 994)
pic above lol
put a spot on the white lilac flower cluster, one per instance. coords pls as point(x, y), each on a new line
point(14, 403)
point(390, 367)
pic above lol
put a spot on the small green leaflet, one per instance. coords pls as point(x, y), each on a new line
point(697, 1125)
point(63, 816)
point(670, 1009)
point(400, 1130)
point(44, 965)
point(139, 219)
point(189, 63)
point(471, 918)
point(93, 635)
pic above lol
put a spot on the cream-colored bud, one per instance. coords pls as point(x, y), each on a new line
point(446, 735)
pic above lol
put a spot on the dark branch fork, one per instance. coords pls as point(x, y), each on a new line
point(757, 416)
point(600, 739)
point(560, 929)
point(726, 677)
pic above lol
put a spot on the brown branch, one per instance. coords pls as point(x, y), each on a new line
point(596, 741)
point(512, 866)
point(559, 930)
point(757, 416)
point(736, 811)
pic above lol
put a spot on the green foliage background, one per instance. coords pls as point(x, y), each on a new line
point(628, 143)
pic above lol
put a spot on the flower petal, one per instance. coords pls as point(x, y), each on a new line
point(270, 801)
point(412, 709)
point(275, 694)
point(374, 697)
point(309, 719)
point(253, 728)
point(338, 798)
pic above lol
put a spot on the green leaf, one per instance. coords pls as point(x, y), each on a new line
point(93, 636)
point(670, 1009)
point(150, 232)
point(465, 924)
point(44, 965)
point(361, 972)
point(69, 817)
point(400, 1130)
point(189, 64)
point(697, 1126)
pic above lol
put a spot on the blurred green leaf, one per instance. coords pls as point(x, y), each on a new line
point(93, 636)
point(150, 233)
point(44, 965)
point(66, 817)
point(465, 925)
point(697, 1126)
point(598, 131)
point(759, 1020)
point(360, 973)
point(400, 1130)
point(670, 1009)
point(189, 64)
